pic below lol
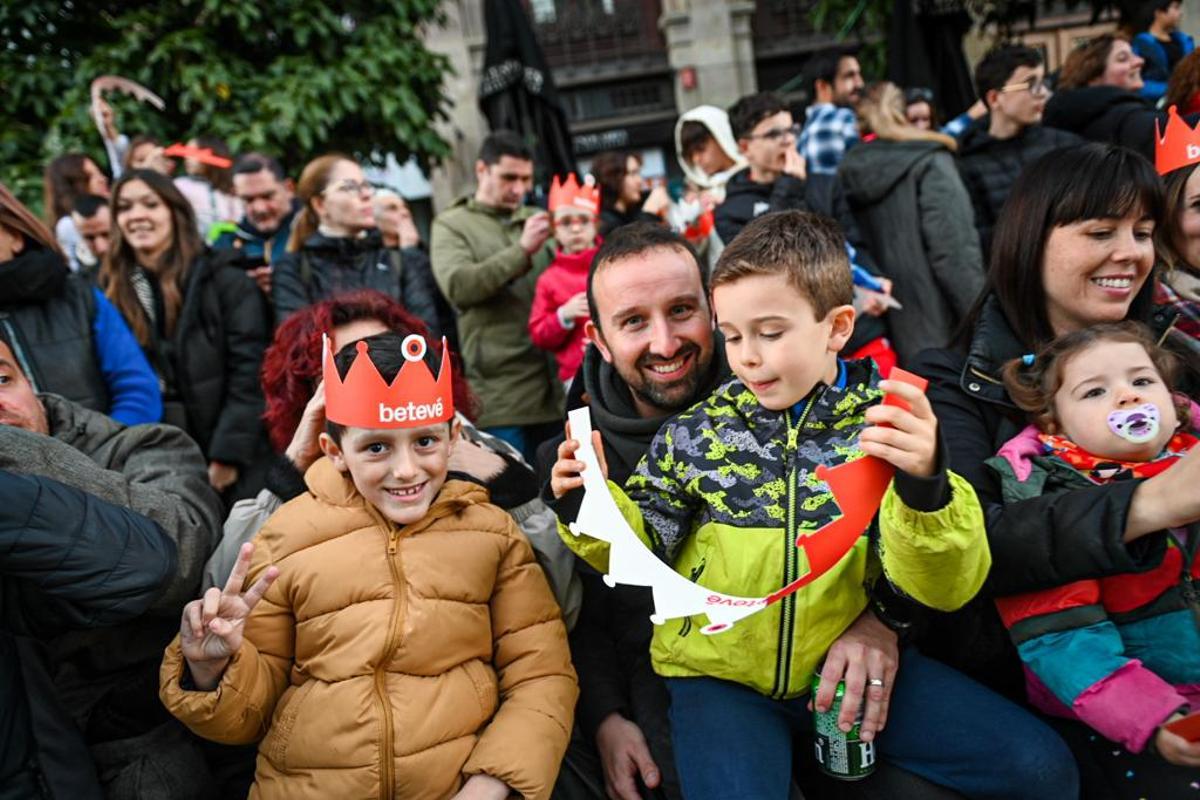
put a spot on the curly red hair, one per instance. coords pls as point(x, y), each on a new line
point(291, 366)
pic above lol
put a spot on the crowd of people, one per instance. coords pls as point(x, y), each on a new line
point(289, 492)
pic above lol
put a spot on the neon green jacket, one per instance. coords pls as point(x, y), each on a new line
point(723, 494)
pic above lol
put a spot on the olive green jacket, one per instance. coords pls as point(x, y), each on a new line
point(480, 266)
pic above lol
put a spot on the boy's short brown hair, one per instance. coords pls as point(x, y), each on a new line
point(808, 249)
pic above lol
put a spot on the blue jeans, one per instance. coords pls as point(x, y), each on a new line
point(730, 741)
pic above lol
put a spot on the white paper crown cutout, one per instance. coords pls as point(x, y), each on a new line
point(632, 563)
point(858, 487)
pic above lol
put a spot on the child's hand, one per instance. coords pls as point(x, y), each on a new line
point(574, 308)
point(1175, 749)
point(210, 631)
point(909, 440)
point(565, 476)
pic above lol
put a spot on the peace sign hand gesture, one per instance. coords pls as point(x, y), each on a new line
point(210, 632)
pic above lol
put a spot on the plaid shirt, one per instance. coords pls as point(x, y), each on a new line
point(829, 131)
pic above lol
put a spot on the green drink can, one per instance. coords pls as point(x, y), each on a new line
point(844, 756)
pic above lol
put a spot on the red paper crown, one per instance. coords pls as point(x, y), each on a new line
point(1178, 146)
point(570, 193)
point(365, 400)
point(204, 155)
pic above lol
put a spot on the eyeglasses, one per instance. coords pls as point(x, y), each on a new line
point(353, 187)
point(573, 221)
point(1033, 84)
point(777, 133)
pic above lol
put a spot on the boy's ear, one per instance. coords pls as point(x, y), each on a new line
point(334, 453)
point(743, 145)
point(455, 430)
point(841, 326)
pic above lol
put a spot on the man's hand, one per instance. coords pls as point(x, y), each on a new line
point(221, 476)
point(1175, 749)
point(793, 164)
point(262, 277)
point(210, 631)
point(625, 755)
point(909, 443)
point(866, 651)
point(483, 787)
point(566, 475)
point(535, 233)
point(574, 308)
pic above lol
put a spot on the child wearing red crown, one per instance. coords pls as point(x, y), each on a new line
point(389, 633)
point(560, 305)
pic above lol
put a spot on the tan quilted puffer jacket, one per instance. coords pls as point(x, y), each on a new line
point(392, 662)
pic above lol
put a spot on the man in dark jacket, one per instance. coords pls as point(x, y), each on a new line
point(261, 236)
point(653, 354)
point(68, 561)
point(109, 680)
point(774, 179)
point(1011, 79)
point(488, 250)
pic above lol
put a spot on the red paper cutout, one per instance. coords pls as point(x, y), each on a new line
point(365, 400)
point(858, 488)
point(204, 155)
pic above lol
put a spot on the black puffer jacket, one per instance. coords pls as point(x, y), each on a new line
point(1036, 544)
point(213, 358)
point(1108, 114)
point(49, 313)
point(327, 265)
point(990, 166)
point(67, 561)
point(914, 212)
point(746, 199)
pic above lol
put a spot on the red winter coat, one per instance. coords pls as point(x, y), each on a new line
point(562, 280)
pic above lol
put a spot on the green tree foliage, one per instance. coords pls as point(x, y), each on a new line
point(291, 77)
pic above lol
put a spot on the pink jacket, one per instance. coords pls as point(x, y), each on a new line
point(562, 280)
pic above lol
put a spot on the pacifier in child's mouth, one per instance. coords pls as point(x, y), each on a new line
point(1138, 425)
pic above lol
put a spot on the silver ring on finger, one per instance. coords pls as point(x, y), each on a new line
point(875, 682)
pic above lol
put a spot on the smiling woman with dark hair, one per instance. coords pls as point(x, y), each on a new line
point(1073, 247)
point(200, 321)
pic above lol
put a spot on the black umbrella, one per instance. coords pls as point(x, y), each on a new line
point(925, 49)
point(516, 90)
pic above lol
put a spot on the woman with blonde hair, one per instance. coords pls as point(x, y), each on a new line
point(336, 247)
point(911, 206)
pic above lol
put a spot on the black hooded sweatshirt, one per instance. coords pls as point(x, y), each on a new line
point(1108, 114)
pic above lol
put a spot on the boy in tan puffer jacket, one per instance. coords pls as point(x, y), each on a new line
point(397, 639)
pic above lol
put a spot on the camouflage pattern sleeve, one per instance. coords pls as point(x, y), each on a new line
point(660, 487)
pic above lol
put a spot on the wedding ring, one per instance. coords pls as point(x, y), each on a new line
point(875, 682)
